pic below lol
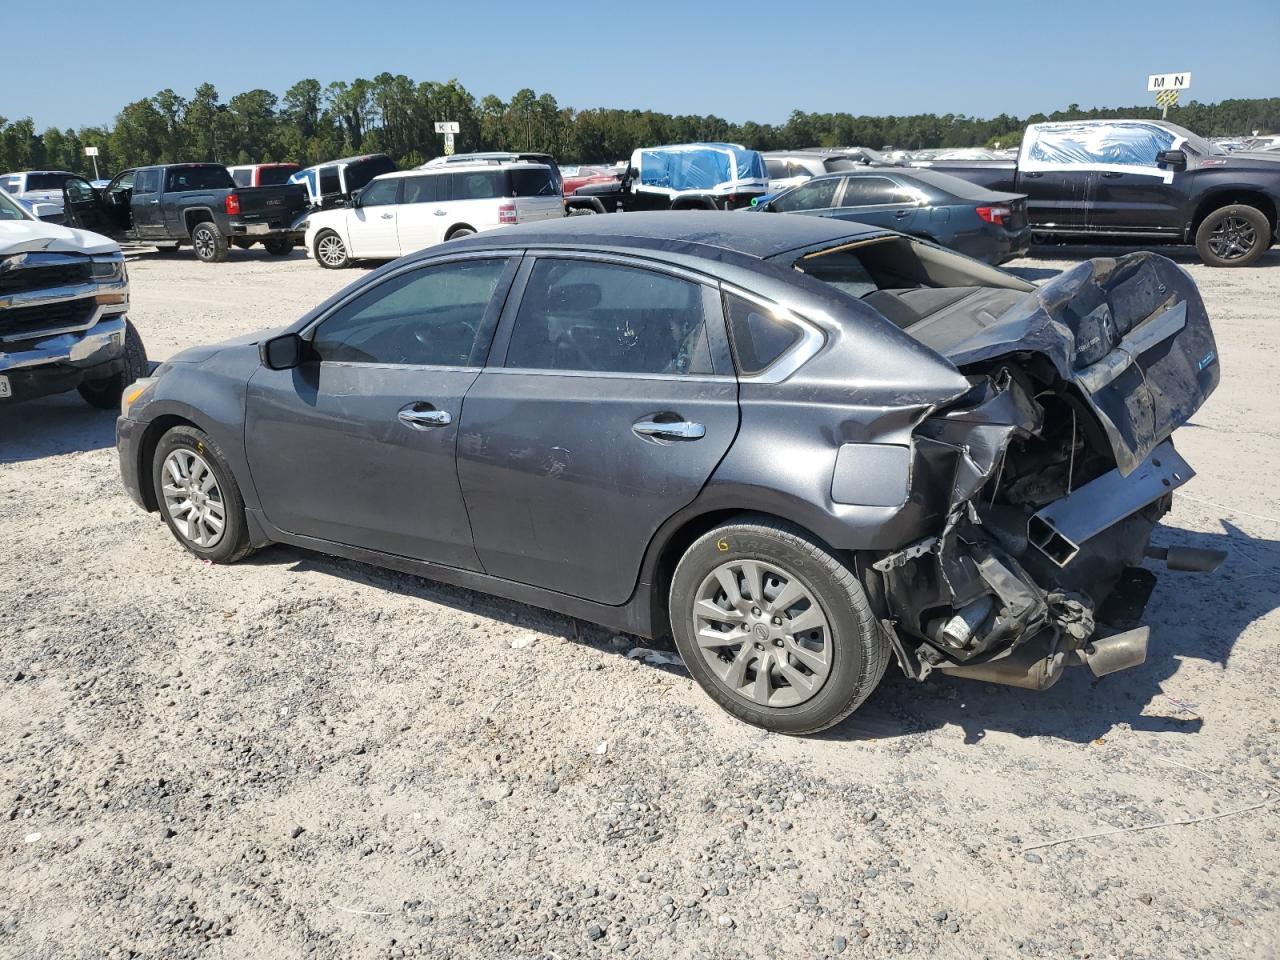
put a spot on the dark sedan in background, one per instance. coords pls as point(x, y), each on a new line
point(803, 447)
point(984, 224)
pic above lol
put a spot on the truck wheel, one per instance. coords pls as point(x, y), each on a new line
point(459, 232)
point(105, 393)
point(331, 252)
point(198, 496)
point(210, 245)
point(775, 627)
point(1234, 236)
point(279, 246)
point(581, 212)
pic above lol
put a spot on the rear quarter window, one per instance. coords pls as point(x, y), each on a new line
point(479, 185)
point(759, 337)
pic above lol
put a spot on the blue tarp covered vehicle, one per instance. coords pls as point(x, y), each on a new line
point(677, 177)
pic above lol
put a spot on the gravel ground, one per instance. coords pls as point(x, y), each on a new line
point(306, 757)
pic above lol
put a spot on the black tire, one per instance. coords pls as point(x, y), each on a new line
point(279, 246)
point(105, 393)
point(1233, 236)
point(168, 249)
point(581, 212)
point(335, 255)
point(859, 650)
point(234, 542)
point(458, 232)
point(209, 243)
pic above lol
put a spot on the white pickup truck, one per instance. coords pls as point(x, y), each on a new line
point(64, 295)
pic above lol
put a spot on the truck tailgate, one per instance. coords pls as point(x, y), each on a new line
point(277, 206)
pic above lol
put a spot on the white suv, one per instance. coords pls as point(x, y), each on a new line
point(398, 213)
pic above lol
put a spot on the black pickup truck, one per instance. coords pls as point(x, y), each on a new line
point(196, 203)
point(1144, 180)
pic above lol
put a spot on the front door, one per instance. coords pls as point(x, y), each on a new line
point(1134, 193)
point(357, 444)
point(611, 405)
point(84, 208)
point(371, 227)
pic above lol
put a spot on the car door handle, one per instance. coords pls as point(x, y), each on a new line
point(902, 214)
point(1033, 175)
point(155, 203)
point(678, 430)
point(387, 216)
point(1111, 174)
point(421, 416)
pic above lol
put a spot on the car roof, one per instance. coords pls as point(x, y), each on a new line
point(444, 168)
point(739, 232)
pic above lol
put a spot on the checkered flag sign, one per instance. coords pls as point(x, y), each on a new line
point(1167, 98)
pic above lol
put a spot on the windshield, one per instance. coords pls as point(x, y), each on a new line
point(9, 210)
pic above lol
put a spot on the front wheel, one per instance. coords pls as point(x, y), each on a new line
point(331, 252)
point(198, 496)
point(209, 244)
point(105, 393)
point(1234, 236)
point(775, 627)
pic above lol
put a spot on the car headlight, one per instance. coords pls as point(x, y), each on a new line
point(134, 391)
point(108, 269)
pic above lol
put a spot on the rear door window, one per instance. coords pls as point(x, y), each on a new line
point(147, 181)
point(179, 179)
point(870, 191)
point(603, 317)
point(423, 189)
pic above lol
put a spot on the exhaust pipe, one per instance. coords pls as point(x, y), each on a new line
point(1036, 664)
point(1120, 652)
point(1190, 559)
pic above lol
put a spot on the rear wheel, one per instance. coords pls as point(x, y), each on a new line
point(279, 246)
point(775, 627)
point(105, 393)
point(457, 232)
point(331, 252)
point(209, 244)
point(1234, 236)
point(198, 496)
point(581, 212)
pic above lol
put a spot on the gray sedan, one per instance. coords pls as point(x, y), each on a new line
point(804, 448)
point(984, 224)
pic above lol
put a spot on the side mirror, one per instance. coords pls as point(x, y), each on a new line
point(283, 352)
point(1172, 158)
point(355, 199)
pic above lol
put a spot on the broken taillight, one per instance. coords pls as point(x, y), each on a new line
point(232, 203)
point(994, 214)
point(507, 213)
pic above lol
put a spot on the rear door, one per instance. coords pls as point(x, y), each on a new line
point(878, 201)
point(420, 218)
point(148, 211)
point(1057, 170)
point(371, 227)
point(474, 198)
point(356, 446)
point(607, 403)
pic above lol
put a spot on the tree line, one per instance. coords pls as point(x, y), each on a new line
point(390, 114)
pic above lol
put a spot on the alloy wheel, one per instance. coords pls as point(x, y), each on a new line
point(193, 498)
point(331, 251)
point(763, 633)
point(203, 243)
point(1232, 238)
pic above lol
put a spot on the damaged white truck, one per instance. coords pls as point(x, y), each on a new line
point(64, 295)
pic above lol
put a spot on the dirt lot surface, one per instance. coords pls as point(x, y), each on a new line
point(304, 757)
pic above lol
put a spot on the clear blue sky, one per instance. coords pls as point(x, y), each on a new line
point(742, 60)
